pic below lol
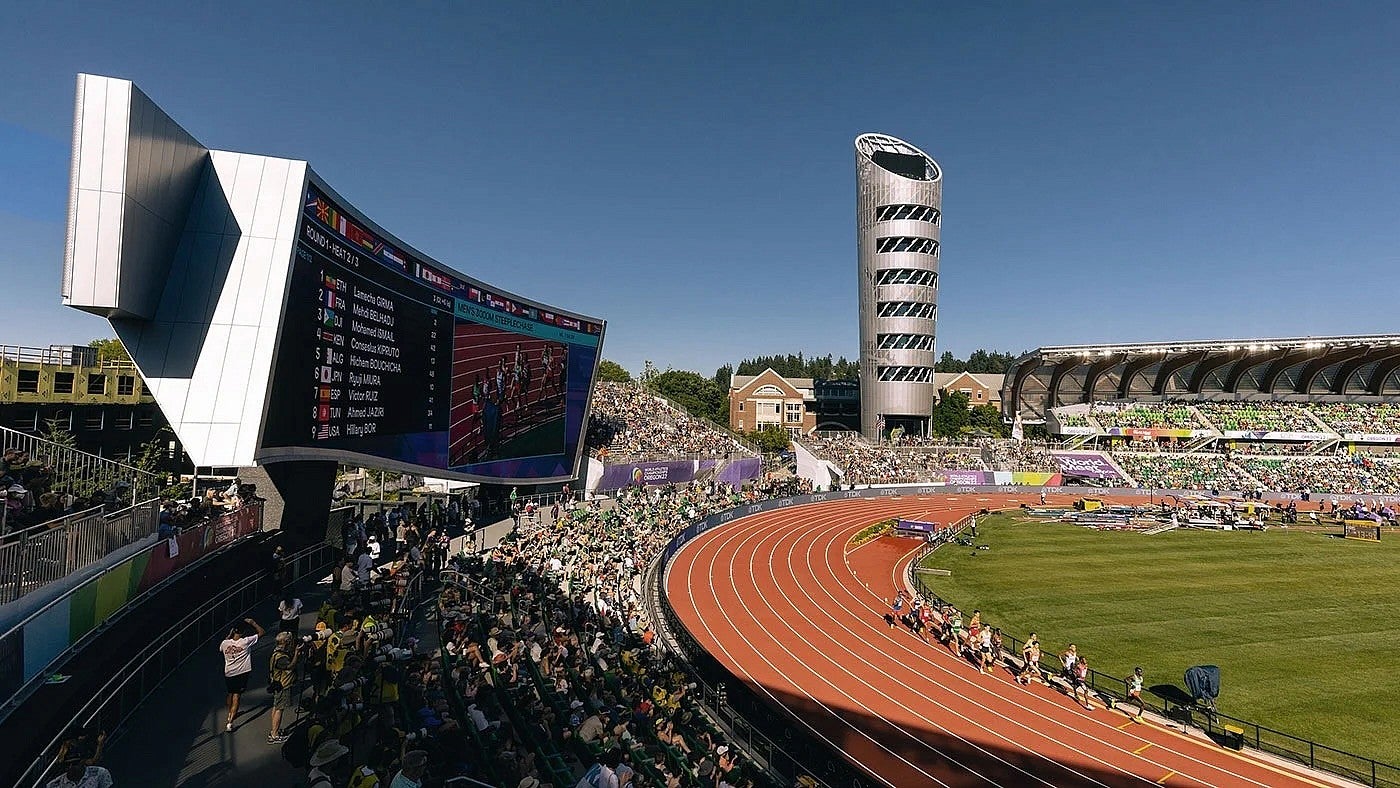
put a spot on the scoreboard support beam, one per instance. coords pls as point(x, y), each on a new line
point(298, 497)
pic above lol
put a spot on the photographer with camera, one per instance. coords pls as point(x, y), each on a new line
point(281, 676)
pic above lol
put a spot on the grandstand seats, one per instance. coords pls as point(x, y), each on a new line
point(1173, 415)
point(862, 462)
point(1376, 418)
point(1022, 456)
point(1259, 416)
point(629, 424)
point(1184, 471)
point(1340, 474)
point(563, 646)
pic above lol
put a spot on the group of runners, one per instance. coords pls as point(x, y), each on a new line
point(981, 644)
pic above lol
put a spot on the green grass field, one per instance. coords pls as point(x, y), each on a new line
point(1305, 628)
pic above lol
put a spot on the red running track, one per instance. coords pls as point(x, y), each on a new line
point(783, 604)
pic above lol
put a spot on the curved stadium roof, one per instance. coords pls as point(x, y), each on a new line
point(1350, 367)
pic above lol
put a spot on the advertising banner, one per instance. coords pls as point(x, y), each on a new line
point(915, 528)
point(739, 471)
point(1085, 465)
point(967, 477)
point(1370, 437)
point(1154, 433)
point(1264, 435)
point(1076, 431)
point(646, 473)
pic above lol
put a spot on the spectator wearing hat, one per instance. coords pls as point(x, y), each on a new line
point(328, 765)
point(415, 766)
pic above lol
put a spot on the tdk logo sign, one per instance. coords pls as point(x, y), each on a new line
point(784, 502)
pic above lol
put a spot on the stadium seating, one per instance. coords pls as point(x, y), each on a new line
point(1022, 456)
point(1261, 416)
point(1173, 415)
point(1341, 474)
point(1184, 471)
point(629, 424)
point(1381, 418)
point(564, 647)
point(862, 462)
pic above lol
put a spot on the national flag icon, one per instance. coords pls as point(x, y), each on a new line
point(324, 413)
point(330, 356)
point(325, 374)
point(323, 211)
point(324, 393)
point(394, 256)
point(473, 294)
point(323, 432)
point(328, 281)
point(329, 298)
point(328, 336)
point(547, 317)
point(327, 317)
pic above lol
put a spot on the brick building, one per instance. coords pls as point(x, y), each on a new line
point(756, 401)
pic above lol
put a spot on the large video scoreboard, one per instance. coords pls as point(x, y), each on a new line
point(388, 356)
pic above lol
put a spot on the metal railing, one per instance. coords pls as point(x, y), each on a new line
point(1366, 771)
point(60, 355)
point(79, 472)
point(145, 671)
point(35, 557)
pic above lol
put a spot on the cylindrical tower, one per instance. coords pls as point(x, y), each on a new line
point(899, 194)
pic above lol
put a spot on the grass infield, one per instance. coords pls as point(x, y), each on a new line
point(1305, 628)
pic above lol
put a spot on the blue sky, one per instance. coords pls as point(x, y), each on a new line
point(1112, 171)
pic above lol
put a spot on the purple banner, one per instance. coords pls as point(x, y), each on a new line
point(739, 471)
point(1089, 466)
point(968, 477)
point(916, 526)
point(644, 473)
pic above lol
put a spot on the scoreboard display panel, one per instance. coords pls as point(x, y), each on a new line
point(393, 360)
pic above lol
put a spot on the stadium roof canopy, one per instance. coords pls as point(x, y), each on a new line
point(1357, 368)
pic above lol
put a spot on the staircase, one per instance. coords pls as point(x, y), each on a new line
point(1322, 425)
point(1322, 446)
point(1199, 443)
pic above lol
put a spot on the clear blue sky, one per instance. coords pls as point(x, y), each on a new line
point(1112, 171)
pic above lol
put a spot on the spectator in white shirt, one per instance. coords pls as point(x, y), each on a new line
point(238, 664)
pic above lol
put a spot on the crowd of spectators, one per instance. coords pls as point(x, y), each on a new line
point(629, 424)
point(1172, 415)
point(550, 644)
point(1185, 471)
point(1380, 418)
point(1339, 474)
point(32, 494)
point(1258, 416)
point(1023, 455)
point(863, 462)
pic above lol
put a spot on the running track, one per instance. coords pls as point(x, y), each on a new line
point(780, 602)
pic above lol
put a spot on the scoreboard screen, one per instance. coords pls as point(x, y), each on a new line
point(393, 360)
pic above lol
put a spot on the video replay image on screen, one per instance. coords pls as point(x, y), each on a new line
point(386, 355)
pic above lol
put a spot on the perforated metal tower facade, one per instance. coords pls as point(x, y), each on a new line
point(899, 194)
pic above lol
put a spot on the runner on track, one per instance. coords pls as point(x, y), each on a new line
point(1030, 656)
point(1135, 691)
point(896, 609)
point(1079, 682)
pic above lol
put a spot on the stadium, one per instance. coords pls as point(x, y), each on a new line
point(607, 583)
